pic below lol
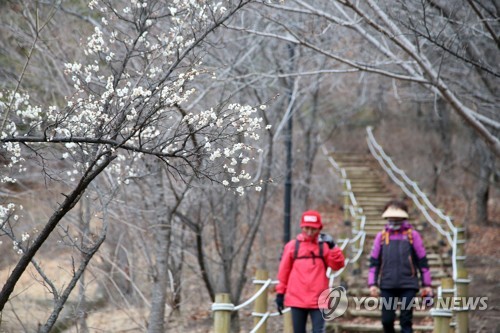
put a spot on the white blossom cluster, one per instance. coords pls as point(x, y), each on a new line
point(16, 245)
point(29, 118)
point(16, 248)
point(7, 212)
point(240, 120)
point(138, 105)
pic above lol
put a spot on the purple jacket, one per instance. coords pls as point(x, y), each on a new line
point(395, 257)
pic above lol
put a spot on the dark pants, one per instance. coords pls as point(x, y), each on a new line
point(299, 319)
point(404, 296)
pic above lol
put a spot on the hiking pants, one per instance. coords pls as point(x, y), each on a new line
point(299, 319)
point(404, 296)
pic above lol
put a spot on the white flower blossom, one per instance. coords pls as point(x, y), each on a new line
point(92, 4)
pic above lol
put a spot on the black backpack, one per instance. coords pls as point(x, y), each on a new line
point(323, 238)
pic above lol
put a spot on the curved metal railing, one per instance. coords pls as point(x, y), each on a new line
point(264, 316)
point(350, 205)
point(444, 226)
point(419, 198)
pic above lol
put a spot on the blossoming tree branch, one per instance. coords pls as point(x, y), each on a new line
point(128, 101)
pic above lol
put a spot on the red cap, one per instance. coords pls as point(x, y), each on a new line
point(312, 219)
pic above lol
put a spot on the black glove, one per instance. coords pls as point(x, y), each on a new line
point(280, 298)
point(326, 238)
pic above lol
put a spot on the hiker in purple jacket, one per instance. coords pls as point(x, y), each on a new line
point(398, 251)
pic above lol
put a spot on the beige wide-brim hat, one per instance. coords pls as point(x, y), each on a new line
point(394, 212)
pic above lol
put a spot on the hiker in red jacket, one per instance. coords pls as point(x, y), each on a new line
point(302, 273)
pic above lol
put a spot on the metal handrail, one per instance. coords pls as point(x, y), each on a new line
point(354, 211)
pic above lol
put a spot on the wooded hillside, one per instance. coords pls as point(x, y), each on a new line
point(145, 144)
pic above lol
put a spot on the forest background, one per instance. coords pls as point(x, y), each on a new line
point(144, 143)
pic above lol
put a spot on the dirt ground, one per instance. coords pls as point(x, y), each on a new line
point(483, 264)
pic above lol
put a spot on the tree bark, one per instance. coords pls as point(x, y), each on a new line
point(162, 229)
point(483, 185)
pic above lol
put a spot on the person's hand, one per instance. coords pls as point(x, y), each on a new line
point(374, 291)
point(428, 296)
point(427, 291)
point(328, 240)
point(280, 298)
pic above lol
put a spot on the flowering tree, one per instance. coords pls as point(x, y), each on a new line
point(128, 100)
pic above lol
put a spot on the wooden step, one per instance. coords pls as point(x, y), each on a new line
point(371, 227)
point(371, 206)
point(372, 194)
point(377, 313)
point(349, 327)
point(349, 156)
point(374, 197)
point(365, 291)
point(365, 180)
point(436, 274)
point(366, 191)
point(432, 263)
point(430, 256)
point(360, 172)
point(364, 184)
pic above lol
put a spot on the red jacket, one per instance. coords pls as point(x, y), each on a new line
point(303, 280)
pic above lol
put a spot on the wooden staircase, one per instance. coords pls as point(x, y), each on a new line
point(371, 194)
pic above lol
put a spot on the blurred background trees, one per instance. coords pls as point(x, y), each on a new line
point(144, 209)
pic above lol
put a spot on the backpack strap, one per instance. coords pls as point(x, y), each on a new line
point(321, 244)
point(385, 237)
point(296, 253)
point(409, 235)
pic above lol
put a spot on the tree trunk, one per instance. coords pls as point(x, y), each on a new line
point(82, 301)
point(235, 322)
point(162, 229)
point(483, 185)
point(445, 158)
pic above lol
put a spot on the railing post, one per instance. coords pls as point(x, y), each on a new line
point(346, 201)
point(462, 312)
point(260, 305)
point(460, 247)
point(287, 322)
point(222, 313)
point(442, 313)
point(448, 292)
point(356, 269)
point(461, 283)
